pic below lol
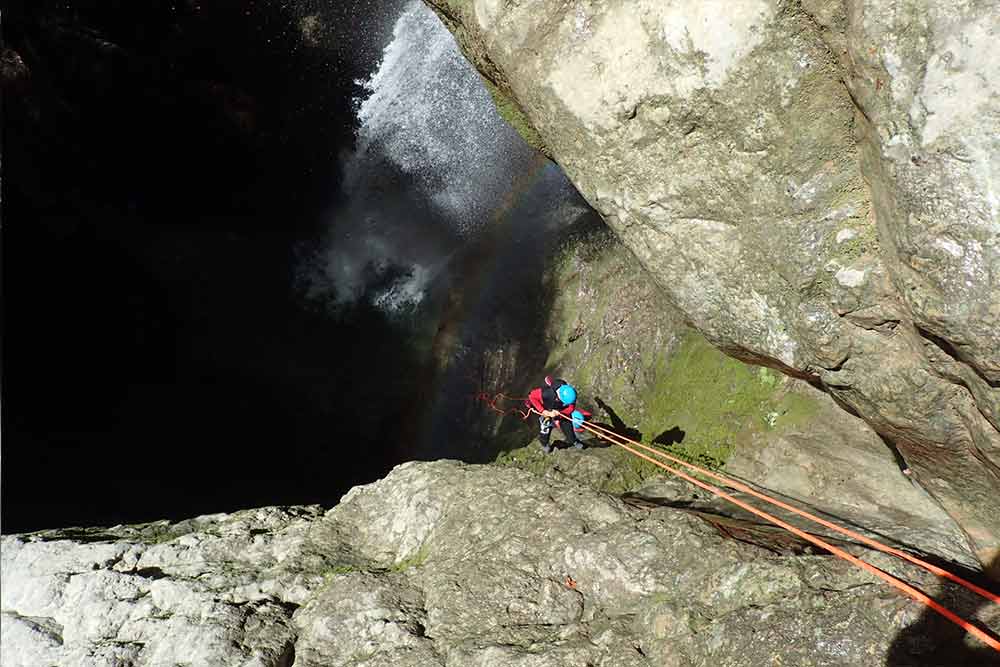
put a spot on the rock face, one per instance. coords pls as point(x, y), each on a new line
point(814, 185)
point(829, 463)
point(448, 564)
point(650, 378)
point(838, 465)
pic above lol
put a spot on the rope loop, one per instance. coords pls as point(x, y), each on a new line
point(491, 403)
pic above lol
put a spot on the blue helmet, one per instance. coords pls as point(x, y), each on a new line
point(566, 394)
point(577, 418)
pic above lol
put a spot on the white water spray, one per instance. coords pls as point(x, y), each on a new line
point(433, 163)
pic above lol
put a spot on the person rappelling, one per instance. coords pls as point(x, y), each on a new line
point(555, 401)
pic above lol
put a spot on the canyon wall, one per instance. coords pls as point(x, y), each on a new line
point(814, 185)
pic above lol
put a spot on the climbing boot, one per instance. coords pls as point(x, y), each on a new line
point(546, 449)
point(579, 444)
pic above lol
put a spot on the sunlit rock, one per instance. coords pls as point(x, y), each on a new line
point(448, 564)
point(843, 234)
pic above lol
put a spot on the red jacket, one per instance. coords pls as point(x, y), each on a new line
point(544, 398)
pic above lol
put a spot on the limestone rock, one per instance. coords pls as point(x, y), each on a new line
point(448, 564)
point(842, 234)
point(836, 464)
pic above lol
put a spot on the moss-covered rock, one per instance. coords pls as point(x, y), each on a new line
point(614, 335)
point(711, 397)
point(648, 376)
point(511, 111)
point(725, 155)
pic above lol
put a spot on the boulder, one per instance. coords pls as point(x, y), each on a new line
point(812, 184)
point(450, 564)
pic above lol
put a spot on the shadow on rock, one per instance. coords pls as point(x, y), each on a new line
point(933, 641)
point(672, 436)
point(595, 442)
point(617, 424)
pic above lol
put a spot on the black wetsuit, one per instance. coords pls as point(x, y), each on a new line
point(549, 400)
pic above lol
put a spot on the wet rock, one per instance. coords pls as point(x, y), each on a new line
point(841, 234)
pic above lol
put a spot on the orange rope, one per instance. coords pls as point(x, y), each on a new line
point(812, 517)
point(491, 403)
point(906, 588)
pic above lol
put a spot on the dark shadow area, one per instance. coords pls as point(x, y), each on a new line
point(517, 328)
point(594, 442)
point(742, 529)
point(558, 443)
point(897, 456)
point(672, 436)
point(166, 170)
point(160, 164)
point(952, 353)
point(934, 641)
point(751, 522)
point(617, 425)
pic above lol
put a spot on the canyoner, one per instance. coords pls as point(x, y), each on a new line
point(555, 403)
point(548, 403)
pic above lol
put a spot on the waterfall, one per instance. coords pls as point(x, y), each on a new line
point(432, 164)
point(447, 225)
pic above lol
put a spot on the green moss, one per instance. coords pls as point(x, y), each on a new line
point(794, 409)
point(767, 378)
point(528, 457)
point(864, 242)
point(511, 111)
point(712, 398)
point(338, 570)
point(634, 471)
point(416, 560)
point(717, 401)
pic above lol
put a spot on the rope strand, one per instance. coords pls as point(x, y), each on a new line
point(739, 486)
point(906, 588)
point(985, 637)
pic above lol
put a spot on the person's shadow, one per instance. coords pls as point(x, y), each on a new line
point(669, 437)
point(617, 425)
point(672, 436)
point(933, 641)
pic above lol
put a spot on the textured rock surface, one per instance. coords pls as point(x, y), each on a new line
point(448, 564)
point(658, 379)
point(834, 462)
point(610, 327)
point(846, 234)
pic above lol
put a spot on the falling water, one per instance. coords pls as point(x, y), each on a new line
point(429, 114)
point(432, 164)
point(449, 219)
